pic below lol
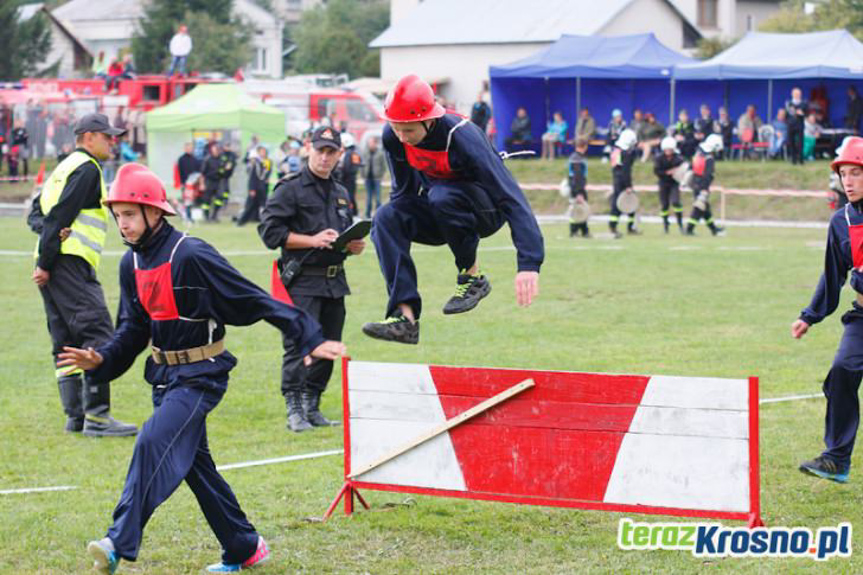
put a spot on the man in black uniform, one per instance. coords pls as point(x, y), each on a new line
point(797, 109)
point(346, 172)
point(211, 170)
point(304, 215)
point(227, 164)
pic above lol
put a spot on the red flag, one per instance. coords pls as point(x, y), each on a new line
point(40, 177)
point(277, 288)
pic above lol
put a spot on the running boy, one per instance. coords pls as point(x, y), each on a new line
point(179, 292)
point(702, 176)
point(622, 158)
point(578, 189)
point(844, 255)
point(664, 166)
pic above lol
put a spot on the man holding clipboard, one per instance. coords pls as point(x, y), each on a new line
point(308, 217)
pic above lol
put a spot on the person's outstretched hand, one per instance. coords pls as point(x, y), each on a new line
point(74, 357)
point(328, 350)
point(799, 329)
point(526, 287)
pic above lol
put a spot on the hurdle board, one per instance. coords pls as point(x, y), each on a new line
point(685, 446)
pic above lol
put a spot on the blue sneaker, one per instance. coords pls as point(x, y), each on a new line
point(105, 559)
point(825, 468)
point(262, 554)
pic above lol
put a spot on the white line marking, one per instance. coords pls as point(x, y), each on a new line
point(37, 489)
point(279, 459)
point(790, 398)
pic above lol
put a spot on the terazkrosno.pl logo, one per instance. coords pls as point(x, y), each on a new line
point(716, 540)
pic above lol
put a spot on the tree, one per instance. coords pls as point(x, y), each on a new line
point(829, 15)
point(334, 38)
point(222, 42)
point(24, 45)
point(710, 47)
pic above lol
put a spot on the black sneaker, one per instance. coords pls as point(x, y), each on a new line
point(396, 328)
point(717, 231)
point(825, 468)
point(95, 426)
point(468, 291)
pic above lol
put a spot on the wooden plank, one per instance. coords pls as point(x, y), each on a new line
point(518, 412)
point(691, 472)
point(449, 424)
point(703, 392)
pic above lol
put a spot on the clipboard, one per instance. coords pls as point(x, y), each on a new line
point(358, 230)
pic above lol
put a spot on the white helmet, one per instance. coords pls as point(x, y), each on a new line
point(626, 140)
point(347, 140)
point(712, 144)
point(842, 145)
point(668, 143)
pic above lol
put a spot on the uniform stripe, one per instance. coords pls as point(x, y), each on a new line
point(92, 221)
point(86, 241)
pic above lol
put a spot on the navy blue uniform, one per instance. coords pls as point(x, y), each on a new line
point(172, 446)
point(843, 380)
point(621, 178)
point(577, 189)
point(473, 203)
point(669, 188)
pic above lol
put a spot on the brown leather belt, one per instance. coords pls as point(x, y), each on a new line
point(328, 271)
point(860, 299)
point(185, 356)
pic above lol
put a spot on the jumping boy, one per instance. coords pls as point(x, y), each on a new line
point(702, 176)
point(664, 166)
point(179, 292)
point(844, 254)
point(449, 187)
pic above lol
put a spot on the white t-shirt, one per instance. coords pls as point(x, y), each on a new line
point(181, 44)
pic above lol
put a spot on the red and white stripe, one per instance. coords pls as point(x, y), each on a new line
point(676, 445)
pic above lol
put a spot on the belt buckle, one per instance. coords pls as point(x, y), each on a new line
point(332, 271)
point(183, 357)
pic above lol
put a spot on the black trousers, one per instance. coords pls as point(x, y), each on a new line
point(172, 447)
point(455, 213)
point(252, 209)
point(296, 377)
point(795, 144)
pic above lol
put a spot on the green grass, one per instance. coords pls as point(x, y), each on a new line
point(721, 307)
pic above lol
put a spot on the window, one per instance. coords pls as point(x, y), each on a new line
point(707, 13)
point(259, 62)
point(359, 110)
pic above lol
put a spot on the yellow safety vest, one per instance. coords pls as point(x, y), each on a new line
point(91, 226)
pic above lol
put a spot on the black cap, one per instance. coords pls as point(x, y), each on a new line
point(97, 123)
point(326, 137)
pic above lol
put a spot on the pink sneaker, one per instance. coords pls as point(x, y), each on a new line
point(261, 554)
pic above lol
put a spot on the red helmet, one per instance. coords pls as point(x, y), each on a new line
point(136, 184)
point(851, 152)
point(412, 100)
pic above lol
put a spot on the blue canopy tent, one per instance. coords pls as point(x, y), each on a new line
point(600, 73)
point(762, 68)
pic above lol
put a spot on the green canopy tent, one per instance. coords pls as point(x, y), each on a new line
point(210, 109)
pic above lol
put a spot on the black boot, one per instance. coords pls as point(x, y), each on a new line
point(573, 229)
point(312, 403)
point(70, 397)
point(97, 418)
point(297, 420)
point(665, 223)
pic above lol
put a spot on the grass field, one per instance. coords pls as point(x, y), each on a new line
point(654, 305)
